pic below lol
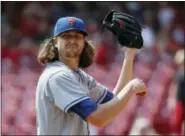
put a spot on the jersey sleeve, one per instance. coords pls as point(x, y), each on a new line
point(84, 108)
point(98, 92)
point(66, 91)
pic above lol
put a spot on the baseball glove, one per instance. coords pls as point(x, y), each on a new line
point(125, 27)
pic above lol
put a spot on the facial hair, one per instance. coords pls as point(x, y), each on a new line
point(72, 52)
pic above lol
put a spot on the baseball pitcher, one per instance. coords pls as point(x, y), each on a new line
point(67, 98)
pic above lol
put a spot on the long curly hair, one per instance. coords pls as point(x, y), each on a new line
point(49, 53)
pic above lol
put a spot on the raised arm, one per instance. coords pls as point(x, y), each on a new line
point(126, 73)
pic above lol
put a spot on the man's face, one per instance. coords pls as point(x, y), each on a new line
point(70, 44)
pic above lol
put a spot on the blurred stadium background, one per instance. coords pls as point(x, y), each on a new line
point(24, 25)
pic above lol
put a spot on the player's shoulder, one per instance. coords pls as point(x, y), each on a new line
point(56, 70)
point(84, 73)
point(62, 76)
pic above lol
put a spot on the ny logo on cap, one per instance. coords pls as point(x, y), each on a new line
point(72, 21)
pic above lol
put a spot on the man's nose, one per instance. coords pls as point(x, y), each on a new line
point(72, 38)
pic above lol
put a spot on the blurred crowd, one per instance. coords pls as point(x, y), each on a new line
point(26, 24)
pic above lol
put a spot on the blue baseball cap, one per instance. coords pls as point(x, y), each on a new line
point(64, 24)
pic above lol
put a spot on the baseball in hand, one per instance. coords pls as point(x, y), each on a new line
point(138, 86)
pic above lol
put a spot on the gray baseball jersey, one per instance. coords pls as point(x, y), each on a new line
point(58, 89)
